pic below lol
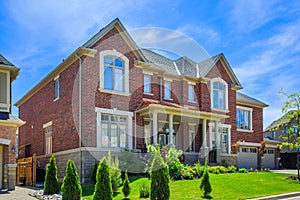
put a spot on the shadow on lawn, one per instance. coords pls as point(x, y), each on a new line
point(207, 197)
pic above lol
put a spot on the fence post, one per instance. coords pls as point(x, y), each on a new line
point(34, 170)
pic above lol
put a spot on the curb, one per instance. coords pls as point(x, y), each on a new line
point(280, 196)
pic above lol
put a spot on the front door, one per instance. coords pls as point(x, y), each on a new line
point(1, 166)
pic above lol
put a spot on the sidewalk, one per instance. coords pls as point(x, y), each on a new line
point(20, 193)
point(285, 171)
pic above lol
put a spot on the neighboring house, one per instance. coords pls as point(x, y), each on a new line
point(8, 126)
point(110, 94)
point(278, 130)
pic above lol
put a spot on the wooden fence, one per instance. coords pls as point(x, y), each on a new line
point(26, 171)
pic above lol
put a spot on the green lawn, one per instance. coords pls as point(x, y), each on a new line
point(225, 186)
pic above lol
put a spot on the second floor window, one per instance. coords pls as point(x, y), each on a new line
point(57, 88)
point(219, 95)
point(191, 96)
point(114, 73)
point(167, 89)
point(4, 92)
point(243, 119)
point(147, 84)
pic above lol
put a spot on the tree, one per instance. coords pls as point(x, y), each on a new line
point(71, 188)
point(103, 189)
point(126, 187)
point(51, 181)
point(291, 108)
point(160, 179)
point(205, 186)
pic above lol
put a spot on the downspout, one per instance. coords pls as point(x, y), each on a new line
point(135, 129)
point(80, 117)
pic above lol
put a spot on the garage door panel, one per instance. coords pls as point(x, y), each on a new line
point(247, 158)
point(269, 159)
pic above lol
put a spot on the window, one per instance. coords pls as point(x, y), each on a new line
point(224, 140)
point(191, 138)
point(274, 134)
point(167, 89)
point(147, 131)
point(219, 94)
point(244, 118)
point(4, 91)
point(191, 95)
point(162, 139)
point(147, 84)
point(56, 88)
point(114, 72)
point(48, 139)
point(114, 129)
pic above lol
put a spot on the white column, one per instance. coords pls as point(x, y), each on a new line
point(204, 143)
point(171, 129)
point(154, 119)
point(217, 136)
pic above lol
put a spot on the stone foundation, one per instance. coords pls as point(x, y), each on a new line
point(229, 159)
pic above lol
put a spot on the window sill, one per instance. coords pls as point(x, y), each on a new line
point(192, 101)
point(149, 94)
point(56, 99)
point(114, 92)
point(168, 99)
point(244, 130)
point(220, 110)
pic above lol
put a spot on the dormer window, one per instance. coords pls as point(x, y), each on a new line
point(219, 94)
point(4, 91)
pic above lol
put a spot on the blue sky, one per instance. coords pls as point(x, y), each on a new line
point(260, 39)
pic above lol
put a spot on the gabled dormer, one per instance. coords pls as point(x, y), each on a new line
point(8, 73)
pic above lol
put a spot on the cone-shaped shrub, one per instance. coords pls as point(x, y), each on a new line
point(126, 188)
point(71, 188)
point(159, 179)
point(205, 186)
point(51, 180)
point(103, 189)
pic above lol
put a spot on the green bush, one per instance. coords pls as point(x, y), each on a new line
point(231, 169)
point(71, 188)
point(94, 171)
point(126, 188)
point(187, 175)
point(103, 188)
point(160, 179)
point(199, 169)
point(175, 166)
point(144, 190)
point(51, 181)
point(243, 170)
point(217, 169)
point(114, 171)
point(205, 185)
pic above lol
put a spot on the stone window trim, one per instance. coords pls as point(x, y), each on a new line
point(223, 82)
point(106, 111)
point(218, 135)
point(117, 54)
point(250, 120)
point(5, 106)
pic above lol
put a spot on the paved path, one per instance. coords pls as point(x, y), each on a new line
point(285, 171)
point(20, 193)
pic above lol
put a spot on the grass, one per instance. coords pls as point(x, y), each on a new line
point(225, 186)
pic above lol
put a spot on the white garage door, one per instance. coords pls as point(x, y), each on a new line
point(1, 165)
point(247, 157)
point(269, 159)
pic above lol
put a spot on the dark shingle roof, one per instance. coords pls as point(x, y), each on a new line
point(4, 61)
point(5, 64)
point(187, 67)
point(245, 98)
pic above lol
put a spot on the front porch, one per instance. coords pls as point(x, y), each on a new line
point(200, 135)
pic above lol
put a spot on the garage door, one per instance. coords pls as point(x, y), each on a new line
point(269, 159)
point(247, 157)
point(1, 165)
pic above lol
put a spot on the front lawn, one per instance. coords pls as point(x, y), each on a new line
point(225, 186)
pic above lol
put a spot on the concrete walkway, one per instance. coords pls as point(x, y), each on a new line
point(20, 193)
point(285, 171)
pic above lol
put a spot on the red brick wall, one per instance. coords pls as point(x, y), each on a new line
point(9, 133)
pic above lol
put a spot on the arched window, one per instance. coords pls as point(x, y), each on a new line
point(219, 94)
point(114, 68)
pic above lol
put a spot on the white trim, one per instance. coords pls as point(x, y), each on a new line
point(47, 124)
point(220, 80)
point(7, 104)
point(5, 141)
point(114, 112)
point(250, 110)
point(148, 84)
point(57, 77)
point(168, 79)
point(191, 83)
point(249, 144)
point(218, 134)
point(148, 73)
point(177, 70)
point(126, 72)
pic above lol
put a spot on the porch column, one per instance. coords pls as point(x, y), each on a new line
point(154, 119)
point(204, 149)
point(217, 141)
point(171, 129)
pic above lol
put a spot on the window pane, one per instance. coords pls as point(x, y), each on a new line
point(246, 120)
point(104, 117)
point(108, 79)
point(57, 88)
point(105, 135)
point(215, 99)
point(114, 135)
point(108, 60)
point(122, 136)
point(215, 85)
point(119, 63)
point(123, 119)
point(162, 139)
point(221, 100)
point(167, 90)
point(118, 79)
point(147, 84)
point(191, 93)
point(3, 88)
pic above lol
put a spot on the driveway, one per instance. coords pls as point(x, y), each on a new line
point(20, 193)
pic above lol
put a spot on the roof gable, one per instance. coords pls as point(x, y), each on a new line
point(5, 64)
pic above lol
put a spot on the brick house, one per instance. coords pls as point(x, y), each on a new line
point(8, 126)
point(110, 94)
